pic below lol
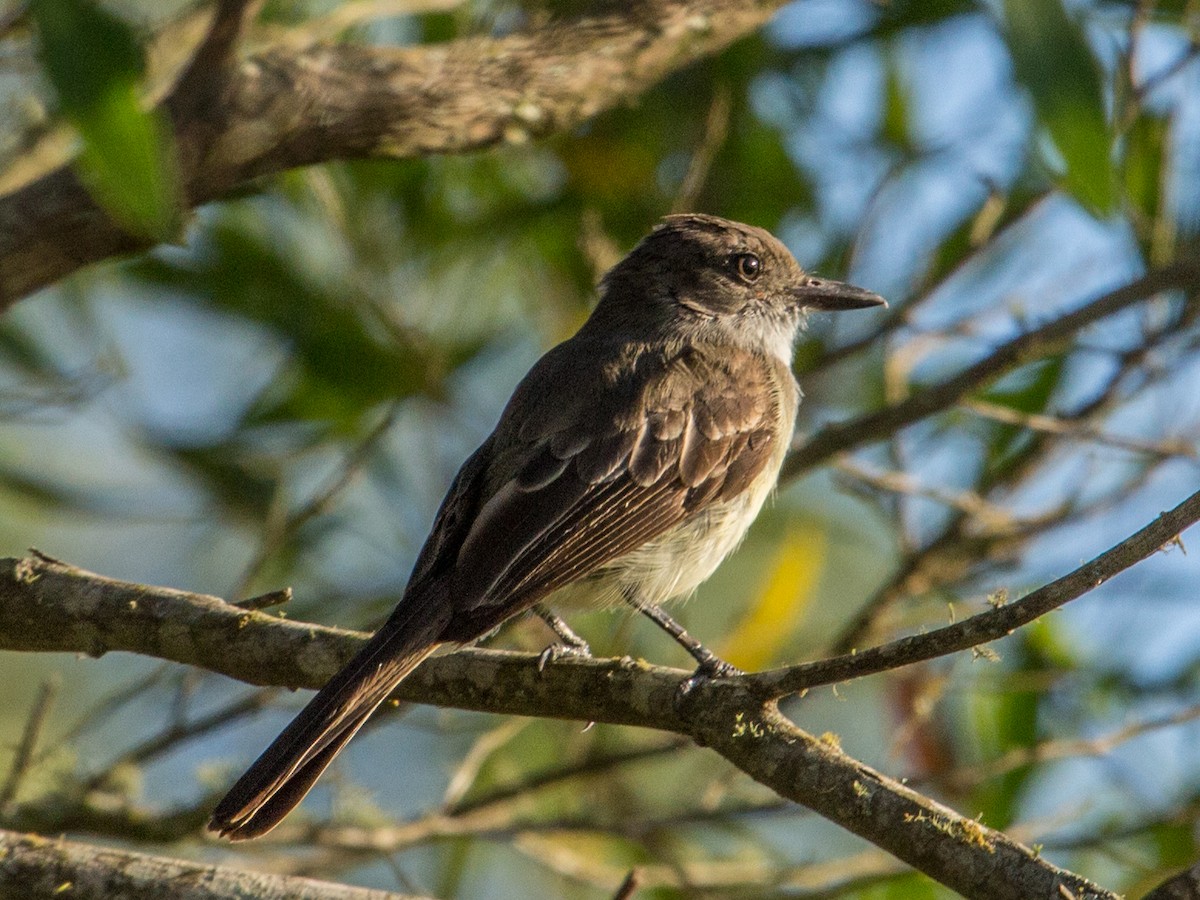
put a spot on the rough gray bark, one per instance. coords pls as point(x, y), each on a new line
point(46, 605)
point(32, 868)
point(237, 120)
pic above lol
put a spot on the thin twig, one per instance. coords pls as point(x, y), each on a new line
point(278, 532)
point(627, 887)
point(267, 600)
point(716, 128)
point(198, 84)
point(990, 625)
point(552, 777)
point(473, 760)
point(176, 734)
point(968, 502)
point(349, 15)
point(1066, 748)
point(926, 568)
point(1025, 348)
point(24, 756)
point(113, 702)
point(1171, 448)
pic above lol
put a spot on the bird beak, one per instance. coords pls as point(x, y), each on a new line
point(823, 294)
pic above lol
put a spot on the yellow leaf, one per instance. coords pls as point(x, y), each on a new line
point(782, 600)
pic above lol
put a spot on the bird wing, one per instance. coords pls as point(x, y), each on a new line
point(587, 466)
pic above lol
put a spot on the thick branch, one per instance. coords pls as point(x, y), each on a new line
point(962, 853)
point(46, 605)
point(285, 107)
point(34, 868)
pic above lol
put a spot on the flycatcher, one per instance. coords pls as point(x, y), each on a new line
point(628, 463)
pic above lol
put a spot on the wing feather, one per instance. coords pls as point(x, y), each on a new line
point(607, 472)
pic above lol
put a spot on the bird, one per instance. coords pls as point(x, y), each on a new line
point(627, 464)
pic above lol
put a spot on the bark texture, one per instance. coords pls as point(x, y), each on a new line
point(47, 605)
point(236, 120)
point(33, 868)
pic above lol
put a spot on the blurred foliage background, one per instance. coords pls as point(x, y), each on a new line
point(283, 399)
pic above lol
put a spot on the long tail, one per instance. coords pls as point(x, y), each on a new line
point(278, 780)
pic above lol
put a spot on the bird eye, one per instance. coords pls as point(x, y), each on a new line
point(747, 266)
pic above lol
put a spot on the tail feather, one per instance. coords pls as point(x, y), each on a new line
point(280, 778)
point(268, 809)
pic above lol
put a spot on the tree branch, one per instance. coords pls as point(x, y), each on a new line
point(34, 868)
point(995, 623)
point(29, 738)
point(48, 605)
point(286, 107)
point(1022, 349)
point(947, 556)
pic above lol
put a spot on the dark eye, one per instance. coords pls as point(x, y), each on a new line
point(747, 266)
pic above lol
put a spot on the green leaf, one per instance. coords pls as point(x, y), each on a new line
point(910, 886)
point(1002, 718)
point(1145, 144)
point(898, 15)
point(95, 62)
point(896, 110)
point(1003, 721)
point(85, 50)
point(1175, 843)
point(1027, 390)
point(1053, 61)
point(1050, 645)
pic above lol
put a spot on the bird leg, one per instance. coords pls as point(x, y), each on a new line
point(569, 643)
point(710, 665)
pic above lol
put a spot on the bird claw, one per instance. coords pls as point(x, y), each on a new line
point(555, 652)
point(710, 669)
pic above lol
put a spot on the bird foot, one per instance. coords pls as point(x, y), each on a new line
point(555, 652)
point(710, 668)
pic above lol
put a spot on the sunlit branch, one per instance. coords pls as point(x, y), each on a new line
point(952, 553)
point(1171, 448)
point(33, 867)
point(45, 605)
point(1023, 349)
point(283, 107)
point(995, 623)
